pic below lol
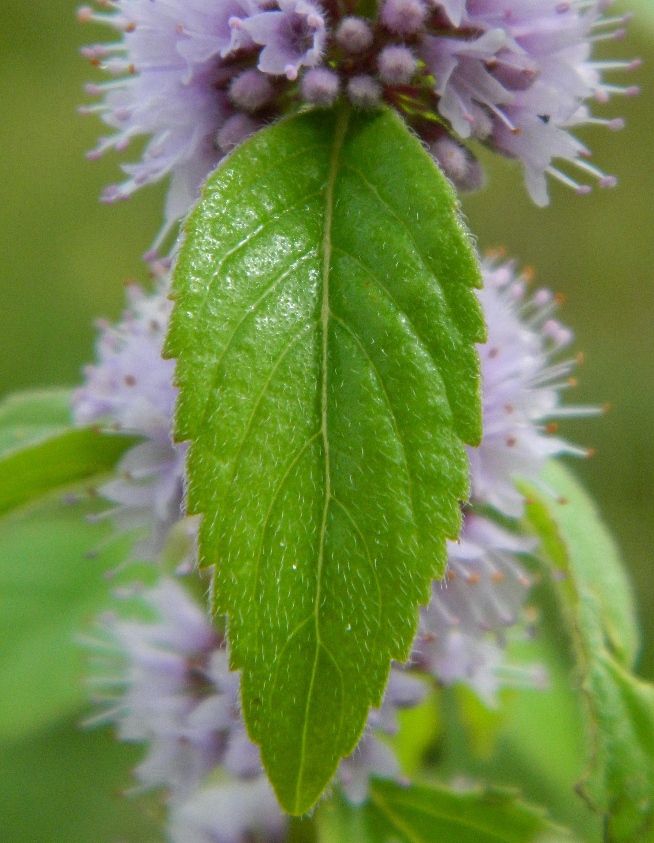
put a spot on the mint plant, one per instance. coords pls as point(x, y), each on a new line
point(324, 444)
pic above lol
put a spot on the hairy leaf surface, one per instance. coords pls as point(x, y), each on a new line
point(324, 327)
point(434, 814)
point(598, 606)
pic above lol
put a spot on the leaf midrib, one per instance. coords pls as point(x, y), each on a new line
point(339, 138)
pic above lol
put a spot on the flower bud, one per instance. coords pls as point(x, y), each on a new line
point(235, 130)
point(404, 17)
point(458, 164)
point(354, 35)
point(364, 91)
point(319, 86)
point(251, 90)
point(396, 65)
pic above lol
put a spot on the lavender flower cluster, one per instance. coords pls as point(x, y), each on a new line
point(197, 77)
point(166, 683)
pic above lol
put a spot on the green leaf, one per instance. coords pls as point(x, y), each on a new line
point(541, 745)
point(52, 566)
point(62, 785)
point(419, 728)
point(48, 583)
point(30, 472)
point(27, 417)
point(435, 814)
point(324, 326)
point(40, 450)
point(599, 610)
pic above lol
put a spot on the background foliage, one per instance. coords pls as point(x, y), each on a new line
point(63, 256)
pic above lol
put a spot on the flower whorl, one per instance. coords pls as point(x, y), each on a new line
point(516, 75)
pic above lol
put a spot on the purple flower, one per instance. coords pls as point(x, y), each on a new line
point(462, 630)
point(229, 812)
point(251, 90)
point(372, 757)
point(293, 37)
point(517, 75)
point(522, 386)
point(170, 87)
point(130, 390)
point(166, 683)
point(458, 163)
point(454, 9)
point(238, 128)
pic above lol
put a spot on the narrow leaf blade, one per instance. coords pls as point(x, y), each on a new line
point(29, 416)
point(324, 327)
point(598, 606)
point(60, 459)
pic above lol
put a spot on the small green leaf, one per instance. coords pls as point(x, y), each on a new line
point(48, 583)
point(435, 814)
point(599, 609)
point(61, 785)
point(40, 450)
point(324, 327)
point(27, 417)
point(577, 540)
point(52, 565)
point(27, 473)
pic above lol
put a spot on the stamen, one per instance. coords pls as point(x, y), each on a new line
point(616, 20)
point(603, 179)
point(614, 125)
point(577, 412)
point(622, 90)
point(579, 189)
point(499, 113)
point(616, 35)
point(634, 64)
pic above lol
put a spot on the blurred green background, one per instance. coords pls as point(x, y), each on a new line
point(64, 258)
